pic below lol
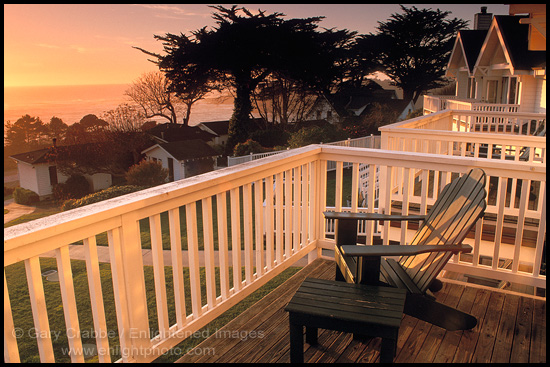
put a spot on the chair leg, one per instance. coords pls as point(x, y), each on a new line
point(339, 276)
point(438, 314)
point(436, 285)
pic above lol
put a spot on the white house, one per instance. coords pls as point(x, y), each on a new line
point(500, 65)
point(183, 158)
point(219, 129)
point(37, 174)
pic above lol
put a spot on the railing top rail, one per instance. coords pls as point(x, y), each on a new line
point(223, 179)
point(422, 120)
point(473, 137)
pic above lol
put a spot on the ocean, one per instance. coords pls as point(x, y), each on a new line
point(71, 103)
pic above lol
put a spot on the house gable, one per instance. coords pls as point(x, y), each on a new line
point(506, 48)
point(465, 52)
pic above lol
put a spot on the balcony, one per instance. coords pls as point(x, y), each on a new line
point(439, 103)
point(241, 226)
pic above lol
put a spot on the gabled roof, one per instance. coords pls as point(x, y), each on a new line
point(507, 33)
point(178, 132)
point(51, 154)
point(186, 150)
point(218, 127)
point(466, 49)
point(33, 157)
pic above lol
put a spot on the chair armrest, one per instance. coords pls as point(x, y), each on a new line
point(371, 216)
point(374, 251)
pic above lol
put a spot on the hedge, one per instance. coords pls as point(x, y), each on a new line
point(24, 196)
point(109, 193)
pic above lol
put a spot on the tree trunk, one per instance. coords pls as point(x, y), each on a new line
point(240, 120)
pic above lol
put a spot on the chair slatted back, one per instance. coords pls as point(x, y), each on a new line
point(459, 205)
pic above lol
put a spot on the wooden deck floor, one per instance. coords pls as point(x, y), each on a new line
point(510, 328)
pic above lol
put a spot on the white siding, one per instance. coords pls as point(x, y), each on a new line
point(27, 177)
point(540, 97)
point(462, 84)
point(99, 181)
point(529, 94)
point(44, 186)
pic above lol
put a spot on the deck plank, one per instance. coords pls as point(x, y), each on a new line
point(537, 353)
point(522, 334)
point(505, 333)
point(499, 336)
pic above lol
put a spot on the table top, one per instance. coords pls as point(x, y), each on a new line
point(349, 302)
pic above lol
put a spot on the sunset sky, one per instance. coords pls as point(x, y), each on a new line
point(75, 44)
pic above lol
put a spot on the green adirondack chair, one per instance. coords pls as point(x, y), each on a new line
point(459, 205)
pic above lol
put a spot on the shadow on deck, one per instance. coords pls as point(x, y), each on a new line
point(511, 328)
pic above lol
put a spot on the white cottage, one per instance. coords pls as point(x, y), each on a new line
point(38, 174)
point(183, 158)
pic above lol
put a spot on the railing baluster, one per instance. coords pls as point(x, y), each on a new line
point(500, 216)
point(221, 201)
point(11, 350)
point(405, 203)
point(132, 258)
point(304, 219)
point(69, 304)
point(158, 272)
point(288, 213)
point(208, 235)
point(193, 251)
point(338, 189)
point(259, 224)
point(269, 223)
point(248, 235)
point(323, 197)
point(96, 298)
point(119, 290)
point(39, 310)
point(236, 238)
point(177, 265)
point(521, 222)
point(296, 203)
point(279, 218)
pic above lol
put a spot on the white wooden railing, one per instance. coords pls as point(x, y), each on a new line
point(363, 142)
point(439, 103)
point(470, 134)
point(270, 238)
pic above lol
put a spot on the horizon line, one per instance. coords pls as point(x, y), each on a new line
point(63, 85)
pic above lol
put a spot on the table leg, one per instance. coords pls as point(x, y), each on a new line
point(296, 343)
point(387, 350)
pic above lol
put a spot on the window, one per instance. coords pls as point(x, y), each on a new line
point(509, 90)
point(491, 96)
point(512, 94)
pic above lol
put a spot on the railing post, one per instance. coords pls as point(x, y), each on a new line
point(138, 333)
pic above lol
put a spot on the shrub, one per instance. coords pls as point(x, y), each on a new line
point(314, 135)
point(270, 137)
point(146, 173)
point(249, 146)
point(109, 193)
point(24, 196)
point(75, 187)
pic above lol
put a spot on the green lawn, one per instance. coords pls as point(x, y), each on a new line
point(22, 315)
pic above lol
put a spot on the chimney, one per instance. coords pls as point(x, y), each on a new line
point(482, 21)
